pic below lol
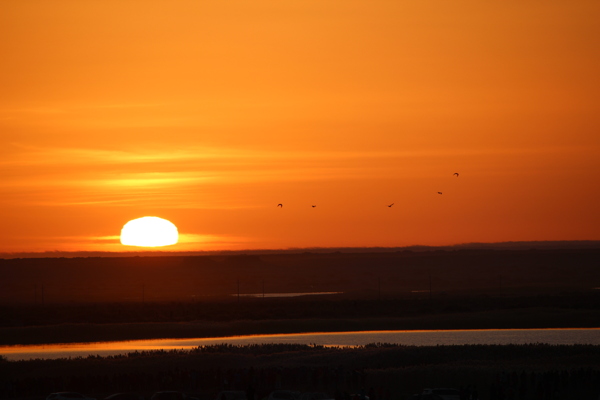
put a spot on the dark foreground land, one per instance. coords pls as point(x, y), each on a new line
point(100, 299)
point(383, 372)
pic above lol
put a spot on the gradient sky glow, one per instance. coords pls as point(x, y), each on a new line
point(210, 113)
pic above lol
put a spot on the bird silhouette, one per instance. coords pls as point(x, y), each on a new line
point(439, 192)
point(390, 205)
point(456, 173)
point(313, 206)
point(280, 205)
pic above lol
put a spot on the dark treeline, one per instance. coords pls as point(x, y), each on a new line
point(382, 371)
point(318, 306)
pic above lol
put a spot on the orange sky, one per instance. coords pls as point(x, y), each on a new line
point(210, 113)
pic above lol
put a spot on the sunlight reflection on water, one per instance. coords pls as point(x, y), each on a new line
point(414, 338)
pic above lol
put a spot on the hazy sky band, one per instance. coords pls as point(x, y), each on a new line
point(209, 114)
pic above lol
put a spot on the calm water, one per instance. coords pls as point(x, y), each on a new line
point(416, 338)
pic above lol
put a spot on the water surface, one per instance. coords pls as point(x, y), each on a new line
point(414, 338)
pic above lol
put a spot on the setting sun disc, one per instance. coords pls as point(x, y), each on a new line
point(149, 232)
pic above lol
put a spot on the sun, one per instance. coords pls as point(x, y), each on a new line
point(149, 232)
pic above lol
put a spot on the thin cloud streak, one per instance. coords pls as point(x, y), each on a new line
point(87, 177)
point(30, 155)
point(187, 241)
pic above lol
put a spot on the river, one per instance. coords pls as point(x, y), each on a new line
point(415, 338)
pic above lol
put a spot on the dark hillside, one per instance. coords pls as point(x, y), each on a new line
point(361, 275)
point(465, 289)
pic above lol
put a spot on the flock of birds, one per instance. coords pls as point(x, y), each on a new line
point(389, 205)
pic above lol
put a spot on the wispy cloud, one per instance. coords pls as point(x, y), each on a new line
point(187, 241)
point(31, 155)
point(174, 177)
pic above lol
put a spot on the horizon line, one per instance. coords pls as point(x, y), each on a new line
point(506, 245)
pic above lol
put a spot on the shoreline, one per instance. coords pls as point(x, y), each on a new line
point(243, 336)
point(109, 332)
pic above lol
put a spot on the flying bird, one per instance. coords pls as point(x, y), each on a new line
point(390, 205)
point(313, 206)
point(439, 192)
point(456, 173)
point(280, 205)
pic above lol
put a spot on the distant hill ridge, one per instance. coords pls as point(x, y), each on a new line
point(517, 245)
